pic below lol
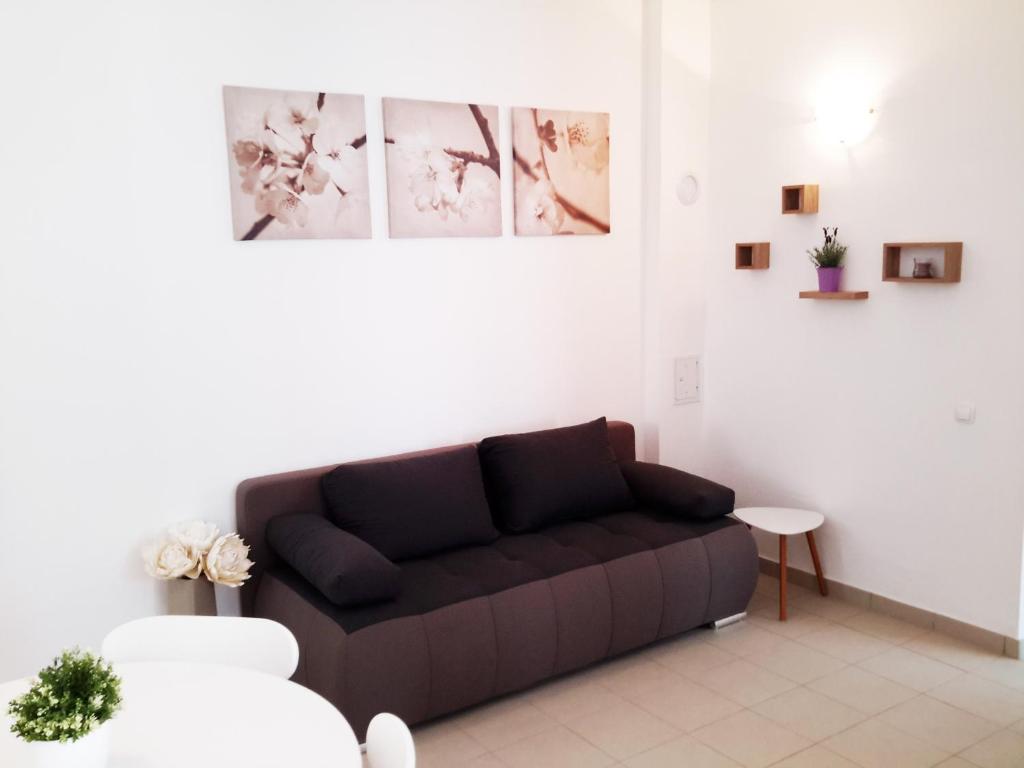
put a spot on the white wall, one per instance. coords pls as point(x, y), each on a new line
point(150, 363)
point(848, 407)
point(679, 236)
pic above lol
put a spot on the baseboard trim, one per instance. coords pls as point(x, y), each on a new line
point(985, 638)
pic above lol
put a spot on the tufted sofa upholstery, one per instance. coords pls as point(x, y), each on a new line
point(476, 622)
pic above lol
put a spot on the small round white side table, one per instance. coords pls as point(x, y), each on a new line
point(786, 522)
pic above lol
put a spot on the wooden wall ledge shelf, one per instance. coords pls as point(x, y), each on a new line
point(753, 255)
point(918, 280)
point(800, 198)
point(835, 295)
point(952, 262)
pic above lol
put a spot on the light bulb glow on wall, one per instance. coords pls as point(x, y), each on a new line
point(844, 110)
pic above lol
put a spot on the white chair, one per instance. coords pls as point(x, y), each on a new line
point(258, 644)
point(389, 743)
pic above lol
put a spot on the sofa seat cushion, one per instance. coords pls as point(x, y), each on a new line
point(513, 560)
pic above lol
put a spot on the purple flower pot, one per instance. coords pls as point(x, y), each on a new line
point(828, 279)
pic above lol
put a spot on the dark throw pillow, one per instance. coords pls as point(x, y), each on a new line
point(414, 506)
point(537, 479)
point(346, 569)
point(677, 492)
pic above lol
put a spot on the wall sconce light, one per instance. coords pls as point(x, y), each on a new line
point(844, 112)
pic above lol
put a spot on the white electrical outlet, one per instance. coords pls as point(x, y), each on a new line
point(964, 412)
point(687, 379)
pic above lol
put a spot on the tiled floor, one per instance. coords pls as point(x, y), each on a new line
point(833, 686)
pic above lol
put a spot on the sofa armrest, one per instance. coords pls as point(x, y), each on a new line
point(346, 569)
point(677, 492)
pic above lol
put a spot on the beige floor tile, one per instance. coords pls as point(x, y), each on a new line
point(796, 662)
point(571, 697)
point(797, 624)
point(484, 761)
point(751, 740)
point(691, 658)
point(911, 669)
point(631, 675)
point(798, 594)
point(955, 762)
point(685, 705)
point(744, 638)
point(873, 744)
point(1004, 749)
point(949, 650)
point(938, 723)
point(809, 713)
point(1018, 726)
point(845, 643)
point(1005, 670)
point(983, 698)
point(557, 748)
point(767, 586)
point(680, 752)
point(504, 722)
point(445, 744)
point(763, 601)
point(884, 627)
point(744, 682)
point(623, 730)
point(862, 690)
point(815, 757)
point(827, 607)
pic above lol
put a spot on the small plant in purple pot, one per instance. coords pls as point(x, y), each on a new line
point(828, 259)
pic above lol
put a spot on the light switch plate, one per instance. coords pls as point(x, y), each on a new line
point(687, 379)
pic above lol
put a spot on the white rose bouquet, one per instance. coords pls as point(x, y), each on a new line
point(191, 549)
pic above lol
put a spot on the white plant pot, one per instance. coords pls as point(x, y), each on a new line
point(90, 751)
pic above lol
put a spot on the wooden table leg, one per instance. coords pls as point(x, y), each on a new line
point(782, 577)
point(822, 586)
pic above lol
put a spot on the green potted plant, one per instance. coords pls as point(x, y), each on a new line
point(828, 259)
point(64, 716)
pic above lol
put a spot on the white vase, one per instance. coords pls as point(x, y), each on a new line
point(90, 751)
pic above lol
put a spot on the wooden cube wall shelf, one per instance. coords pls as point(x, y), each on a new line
point(800, 198)
point(834, 295)
point(753, 255)
point(952, 260)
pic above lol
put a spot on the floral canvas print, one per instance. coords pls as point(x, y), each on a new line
point(561, 172)
point(298, 164)
point(443, 169)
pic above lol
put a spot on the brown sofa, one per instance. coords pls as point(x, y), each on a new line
point(584, 554)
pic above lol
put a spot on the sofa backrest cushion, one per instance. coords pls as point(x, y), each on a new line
point(412, 507)
point(345, 569)
point(553, 476)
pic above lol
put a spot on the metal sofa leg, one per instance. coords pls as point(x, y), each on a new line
point(728, 620)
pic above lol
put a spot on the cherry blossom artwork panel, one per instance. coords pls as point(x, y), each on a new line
point(561, 174)
point(443, 169)
point(298, 164)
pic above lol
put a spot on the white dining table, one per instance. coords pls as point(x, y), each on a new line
point(176, 714)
